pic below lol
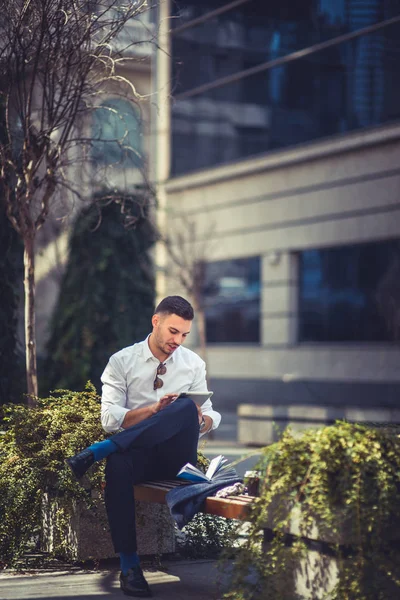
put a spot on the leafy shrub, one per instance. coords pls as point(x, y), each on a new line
point(206, 536)
point(344, 479)
point(32, 462)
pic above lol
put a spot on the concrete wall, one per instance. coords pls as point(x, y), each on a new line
point(340, 191)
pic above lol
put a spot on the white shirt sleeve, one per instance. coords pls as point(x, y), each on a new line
point(200, 385)
point(113, 398)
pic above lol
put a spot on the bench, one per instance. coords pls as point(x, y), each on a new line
point(232, 507)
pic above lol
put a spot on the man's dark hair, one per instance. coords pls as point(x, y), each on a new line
point(176, 305)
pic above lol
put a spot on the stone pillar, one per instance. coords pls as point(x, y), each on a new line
point(279, 299)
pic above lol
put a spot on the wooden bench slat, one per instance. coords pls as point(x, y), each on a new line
point(149, 493)
point(232, 507)
point(229, 508)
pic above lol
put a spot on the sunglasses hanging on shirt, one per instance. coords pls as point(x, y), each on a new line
point(161, 370)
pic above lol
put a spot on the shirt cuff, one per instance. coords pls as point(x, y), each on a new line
point(216, 419)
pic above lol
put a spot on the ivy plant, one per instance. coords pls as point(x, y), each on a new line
point(330, 501)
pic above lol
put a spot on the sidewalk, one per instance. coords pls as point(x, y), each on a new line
point(178, 580)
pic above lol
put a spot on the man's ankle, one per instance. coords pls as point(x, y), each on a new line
point(103, 449)
point(128, 560)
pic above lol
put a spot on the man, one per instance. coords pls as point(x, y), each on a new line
point(158, 432)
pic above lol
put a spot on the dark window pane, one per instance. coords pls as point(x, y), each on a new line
point(350, 294)
point(248, 35)
point(349, 86)
point(232, 301)
point(184, 11)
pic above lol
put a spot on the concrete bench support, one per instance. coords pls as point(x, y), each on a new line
point(88, 536)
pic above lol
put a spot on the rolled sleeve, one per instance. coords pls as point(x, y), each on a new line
point(113, 398)
point(207, 410)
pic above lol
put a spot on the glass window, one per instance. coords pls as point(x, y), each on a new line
point(185, 11)
point(246, 36)
point(232, 301)
point(350, 294)
point(349, 86)
point(117, 136)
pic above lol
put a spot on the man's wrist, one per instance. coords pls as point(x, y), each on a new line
point(202, 424)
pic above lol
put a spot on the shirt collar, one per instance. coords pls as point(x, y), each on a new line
point(148, 355)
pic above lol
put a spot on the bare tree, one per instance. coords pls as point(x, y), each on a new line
point(56, 57)
point(189, 254)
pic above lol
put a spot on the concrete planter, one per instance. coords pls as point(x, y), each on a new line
point(87, 535)
point(315, 575)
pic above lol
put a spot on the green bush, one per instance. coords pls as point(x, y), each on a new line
point(344, 479)
point(206, 536)
point(32, 462)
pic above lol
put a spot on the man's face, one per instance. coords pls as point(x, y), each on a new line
point(169, 332)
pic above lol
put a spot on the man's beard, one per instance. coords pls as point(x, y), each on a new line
point(163, 347)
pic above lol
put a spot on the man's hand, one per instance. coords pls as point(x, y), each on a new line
point(200, 414)
point(207, 419)
point(136, 415)
point(164, 401)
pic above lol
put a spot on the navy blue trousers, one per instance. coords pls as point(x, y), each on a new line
point(155, 448)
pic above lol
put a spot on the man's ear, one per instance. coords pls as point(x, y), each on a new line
point(155, 320)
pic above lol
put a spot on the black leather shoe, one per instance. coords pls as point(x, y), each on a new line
point(81, 462)
point(134, 583)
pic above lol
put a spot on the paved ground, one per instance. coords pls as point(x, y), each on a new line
point(177, 580)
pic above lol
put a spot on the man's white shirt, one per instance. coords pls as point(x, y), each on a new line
point(129, 376)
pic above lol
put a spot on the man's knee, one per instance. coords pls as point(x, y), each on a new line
point(185, 407)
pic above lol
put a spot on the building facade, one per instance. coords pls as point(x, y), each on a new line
point(279, 137)
point(119, 159)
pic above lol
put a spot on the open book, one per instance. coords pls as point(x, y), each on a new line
point(215, 469)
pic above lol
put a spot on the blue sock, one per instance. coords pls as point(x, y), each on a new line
point(128, 560)
point(103, 449)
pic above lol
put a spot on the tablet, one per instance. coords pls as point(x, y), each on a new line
point(198, 397)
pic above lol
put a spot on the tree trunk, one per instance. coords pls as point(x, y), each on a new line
point(30, 335)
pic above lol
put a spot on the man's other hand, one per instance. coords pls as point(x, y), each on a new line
point(200, 414)
point(207, 419)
